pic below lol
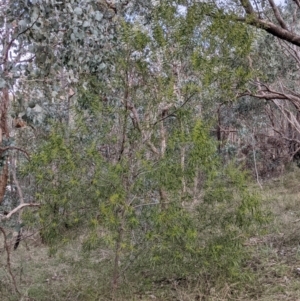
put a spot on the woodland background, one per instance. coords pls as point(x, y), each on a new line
point(149, 150)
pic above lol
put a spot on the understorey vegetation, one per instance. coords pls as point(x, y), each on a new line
point(140, 147)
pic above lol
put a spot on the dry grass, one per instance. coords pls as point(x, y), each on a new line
point(276, 259)
point(70, 275)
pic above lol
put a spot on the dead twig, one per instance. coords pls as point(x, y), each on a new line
point(21, 206)
point(3, 149)
point(8, 261)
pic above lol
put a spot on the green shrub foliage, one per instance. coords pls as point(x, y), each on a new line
point(137, 170)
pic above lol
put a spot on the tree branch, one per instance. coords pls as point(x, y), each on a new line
point(269, 94)
point(274, 30)
point(176, 110)
point(278, 15)
point(282, 32)
point(3, 149)
point(13, 39)
point(247, 7)
point(291, 50)
point(8, 261)
point(297, 2)
point(21, 206)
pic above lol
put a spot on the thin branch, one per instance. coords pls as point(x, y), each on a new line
point(254, 159)
point(297, 2)
point(269, 94)
point(271, 28)
point(21, 206)
point(163, 134)
point(24, 237)
point(294, 53)
point(176, 110)
point(248, 7)
point(290, 91)
point(27, 60)
point(20, 192)
point(136, 120)
point(284, 112)
point(8, 260)
point(278, 15)
point(257, 9)
point(13, 39)
point(294, 153)
point(3, 149)
point(152, 147)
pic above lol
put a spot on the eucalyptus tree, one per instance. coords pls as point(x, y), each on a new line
point(45, 45)
point(276, 87)
point(265, 15)
point(273, 62)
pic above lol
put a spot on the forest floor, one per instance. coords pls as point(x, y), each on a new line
point(276, 255)
point(274, 263)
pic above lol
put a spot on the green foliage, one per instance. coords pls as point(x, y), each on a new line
point(79, 189)
point(132, 164)
point(230, 211)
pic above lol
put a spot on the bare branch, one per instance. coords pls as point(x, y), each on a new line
point(13, 39)
point(176, 110)
point(8, 261)
point(278, 15)
point(268, 94)
point(285, 112)
point(275, 30)
point(248, 7)
point(20, 192)
point(281, 32)
point(152, 147)
point(21, 206)
point(3, 149)
point(290, 49)
point(297, 3)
